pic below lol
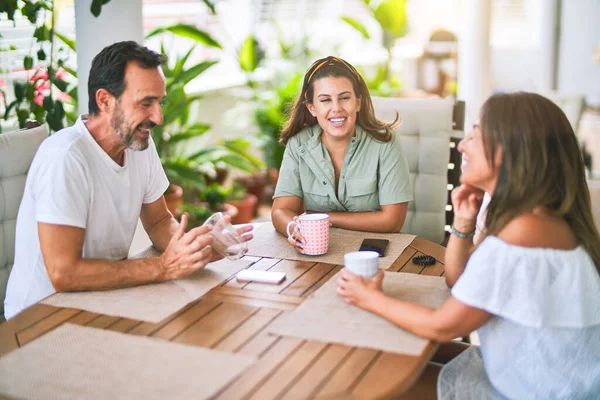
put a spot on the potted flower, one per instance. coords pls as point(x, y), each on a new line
point(210, 200)
point(244, 201)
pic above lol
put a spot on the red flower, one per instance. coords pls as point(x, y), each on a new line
point(39, 99)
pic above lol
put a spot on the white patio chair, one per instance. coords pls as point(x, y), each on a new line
point(427, 126)
point(16, 153)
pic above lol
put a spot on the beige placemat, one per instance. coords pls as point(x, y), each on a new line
point(326, 317)
point(268, 242)
point(151, 303)
point(74, 362)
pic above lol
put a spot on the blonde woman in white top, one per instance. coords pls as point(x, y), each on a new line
point(532, 286)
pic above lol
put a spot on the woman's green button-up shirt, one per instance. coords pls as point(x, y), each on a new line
point(373, 173)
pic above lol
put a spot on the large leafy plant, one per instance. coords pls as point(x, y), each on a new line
point(271, 112)
point(49, 94)
point(272, 98)
point(390, 15)
point(185, 168)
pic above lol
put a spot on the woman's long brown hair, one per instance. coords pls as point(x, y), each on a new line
point(541, 165)
point(335, 67)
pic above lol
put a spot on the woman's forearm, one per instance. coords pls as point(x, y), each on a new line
point(373, 221)
point(281, 217)
point(415, 318)
point(458, 252)
point(389, 219)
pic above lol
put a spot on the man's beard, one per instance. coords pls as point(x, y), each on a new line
point(127, 134)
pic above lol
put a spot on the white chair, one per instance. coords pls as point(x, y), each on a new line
point(16, 153)
point(427, 126)
point(571, 104)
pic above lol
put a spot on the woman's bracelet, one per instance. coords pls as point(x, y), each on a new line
point(461, 235)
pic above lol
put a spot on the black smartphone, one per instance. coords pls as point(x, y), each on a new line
point(378, 245)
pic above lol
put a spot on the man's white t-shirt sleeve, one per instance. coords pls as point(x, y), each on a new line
point(157, 179)
point(61, 190)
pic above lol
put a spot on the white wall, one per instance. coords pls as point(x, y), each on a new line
point(118, 21)
point(580, 34)
point(514, 69)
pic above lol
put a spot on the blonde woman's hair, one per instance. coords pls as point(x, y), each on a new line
point(541, 165)
point(333, 67)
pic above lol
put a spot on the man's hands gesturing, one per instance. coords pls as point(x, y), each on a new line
point(186, 252)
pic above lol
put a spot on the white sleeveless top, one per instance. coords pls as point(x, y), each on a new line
point(544, 339)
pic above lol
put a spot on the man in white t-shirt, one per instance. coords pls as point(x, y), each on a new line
point(88, 185)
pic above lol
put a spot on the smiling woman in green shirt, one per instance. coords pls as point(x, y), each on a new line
point(339, 159)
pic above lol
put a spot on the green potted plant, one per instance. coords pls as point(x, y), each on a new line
point(272, 100)
point(212, 199)
point(245, 202)
point(190, 171)
point(196, 213)
point(391, 17)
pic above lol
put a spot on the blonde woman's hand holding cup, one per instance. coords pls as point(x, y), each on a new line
point(309, 233)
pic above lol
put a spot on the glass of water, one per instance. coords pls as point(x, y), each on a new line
point(226, 240)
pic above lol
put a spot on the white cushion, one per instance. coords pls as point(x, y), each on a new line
point(16, 153)
point(570, 103)
point(425, 135)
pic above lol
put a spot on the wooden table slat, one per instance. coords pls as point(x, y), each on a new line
point(249, 301)
point(381, 378)
point(45, 325)
point(182, 321)
point(350, 370)
point(387, 370)
point(404, 258)
point(257, 295)
point(215, 325)
point(433, 270)
point(147, 328)
point(8, 341)
point(308, 280)
point(26, 318)
point(430, 248)
point(321, 281)
point(243, 386)
point(83, 318)
point(124, 325)
point(103, 321)
point(293, 270)
point(259, 344)
point(263, 264)
point(318, 374)
point(286, 374)
point(412, 268)
point(247, 330)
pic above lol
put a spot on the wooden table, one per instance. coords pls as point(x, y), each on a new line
point(233, 317)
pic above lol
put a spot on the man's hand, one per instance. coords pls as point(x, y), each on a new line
point(243, 232)
point(186, 252)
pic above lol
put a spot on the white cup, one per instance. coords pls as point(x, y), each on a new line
point(362, 263)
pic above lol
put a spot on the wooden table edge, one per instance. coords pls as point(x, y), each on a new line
point(426, 355)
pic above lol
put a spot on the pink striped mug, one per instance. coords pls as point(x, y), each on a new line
point(315, 231)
